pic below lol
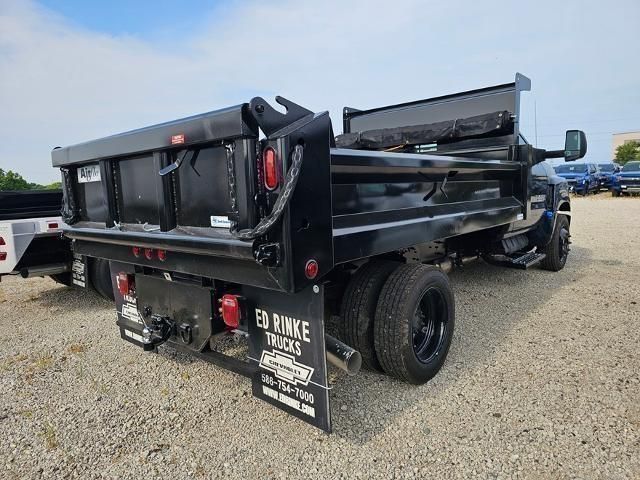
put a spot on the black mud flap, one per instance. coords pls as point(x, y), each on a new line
point(286, 339)
point(79, 272)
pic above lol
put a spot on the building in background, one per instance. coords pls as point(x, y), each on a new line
point(621, 139)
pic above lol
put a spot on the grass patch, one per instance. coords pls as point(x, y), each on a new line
point(77, 348)
point(48, 434)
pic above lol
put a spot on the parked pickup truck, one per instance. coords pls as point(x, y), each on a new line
point(627, 180)
point(607, 172)
point(583, 178)
point(213, 230)
point(32, 245)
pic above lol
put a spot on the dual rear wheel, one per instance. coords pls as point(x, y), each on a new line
point(400, 317)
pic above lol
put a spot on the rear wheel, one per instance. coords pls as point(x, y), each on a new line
point(615, 193)
point(359, 308)
point(557, 250)
point(414, 322)
point(100, 275)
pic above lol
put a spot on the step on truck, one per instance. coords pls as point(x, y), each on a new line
point(32, 244)
point(250, 222)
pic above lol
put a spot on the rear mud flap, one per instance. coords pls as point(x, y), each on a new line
point(286, 340)
point(79, 272)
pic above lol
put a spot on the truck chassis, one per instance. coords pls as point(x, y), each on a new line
point(211, 229)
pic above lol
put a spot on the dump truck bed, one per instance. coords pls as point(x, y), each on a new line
point(191, 187)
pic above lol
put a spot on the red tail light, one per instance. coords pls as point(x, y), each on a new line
point(137, 251)
point(230, 310)
point(2, 242)
point(52, 226)
point(270, 165)
point(311, 269)
point(162, 255)
point(3, 256)
point(149, 253)
point(125, 283)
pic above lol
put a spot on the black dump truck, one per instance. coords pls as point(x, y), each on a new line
point(265, 225)
point(32, 244)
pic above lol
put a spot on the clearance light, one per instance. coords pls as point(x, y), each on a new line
point(162, 255)
point(137, 251)
point(149, 253)
point(3, 256)
point(53, 226)
point(270, 168)
point(2, 242)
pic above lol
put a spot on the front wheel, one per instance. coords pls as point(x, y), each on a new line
point(414, 322)
point(557, 250)
point(615, 193)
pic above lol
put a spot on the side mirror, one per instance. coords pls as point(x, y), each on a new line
point(575, 145)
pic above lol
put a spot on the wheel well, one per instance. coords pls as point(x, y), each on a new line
point(565, 207)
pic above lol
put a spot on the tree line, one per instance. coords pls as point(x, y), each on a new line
point(13, 181)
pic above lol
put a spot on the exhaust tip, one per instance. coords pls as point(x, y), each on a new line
point(354, 363)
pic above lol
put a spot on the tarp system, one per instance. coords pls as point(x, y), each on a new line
point(485, 125)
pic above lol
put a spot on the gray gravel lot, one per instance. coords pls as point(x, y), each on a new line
point(542, 381)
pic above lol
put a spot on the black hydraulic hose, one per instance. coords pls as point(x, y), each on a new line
point(281, 202)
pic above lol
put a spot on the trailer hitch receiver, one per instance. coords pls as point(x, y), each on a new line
point(157, 330)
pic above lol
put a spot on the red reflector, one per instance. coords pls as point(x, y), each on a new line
point(125, 283)
point(162, 255)
point(136, 251)
point(270, 168)
point(311, 269)
point(177, 139)
point(2, 242)
point(149, 253)
point(53, 225)
point(3, 256)
point(230, 311)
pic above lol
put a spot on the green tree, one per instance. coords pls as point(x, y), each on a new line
point(12, 181)
point(628, 151)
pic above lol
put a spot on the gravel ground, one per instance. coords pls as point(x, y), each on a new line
point(542, 381)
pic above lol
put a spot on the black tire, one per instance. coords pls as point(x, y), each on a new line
point(100, 275)
point(62, 278)
point(358, 308)
point(586, 190)
point(414, 322)
point(557, 250)
point(615, 193)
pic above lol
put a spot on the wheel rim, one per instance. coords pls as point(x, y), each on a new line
point(564, 244)
point(429, 325)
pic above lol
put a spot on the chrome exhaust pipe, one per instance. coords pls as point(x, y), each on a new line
point(342, 356)
point(45, 270)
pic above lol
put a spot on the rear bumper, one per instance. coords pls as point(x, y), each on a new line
point(243, 270)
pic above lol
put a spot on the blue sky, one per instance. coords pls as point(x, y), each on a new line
point(153, 20)
point(71, 71)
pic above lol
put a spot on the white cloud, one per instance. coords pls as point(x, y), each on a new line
point(60, 84)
